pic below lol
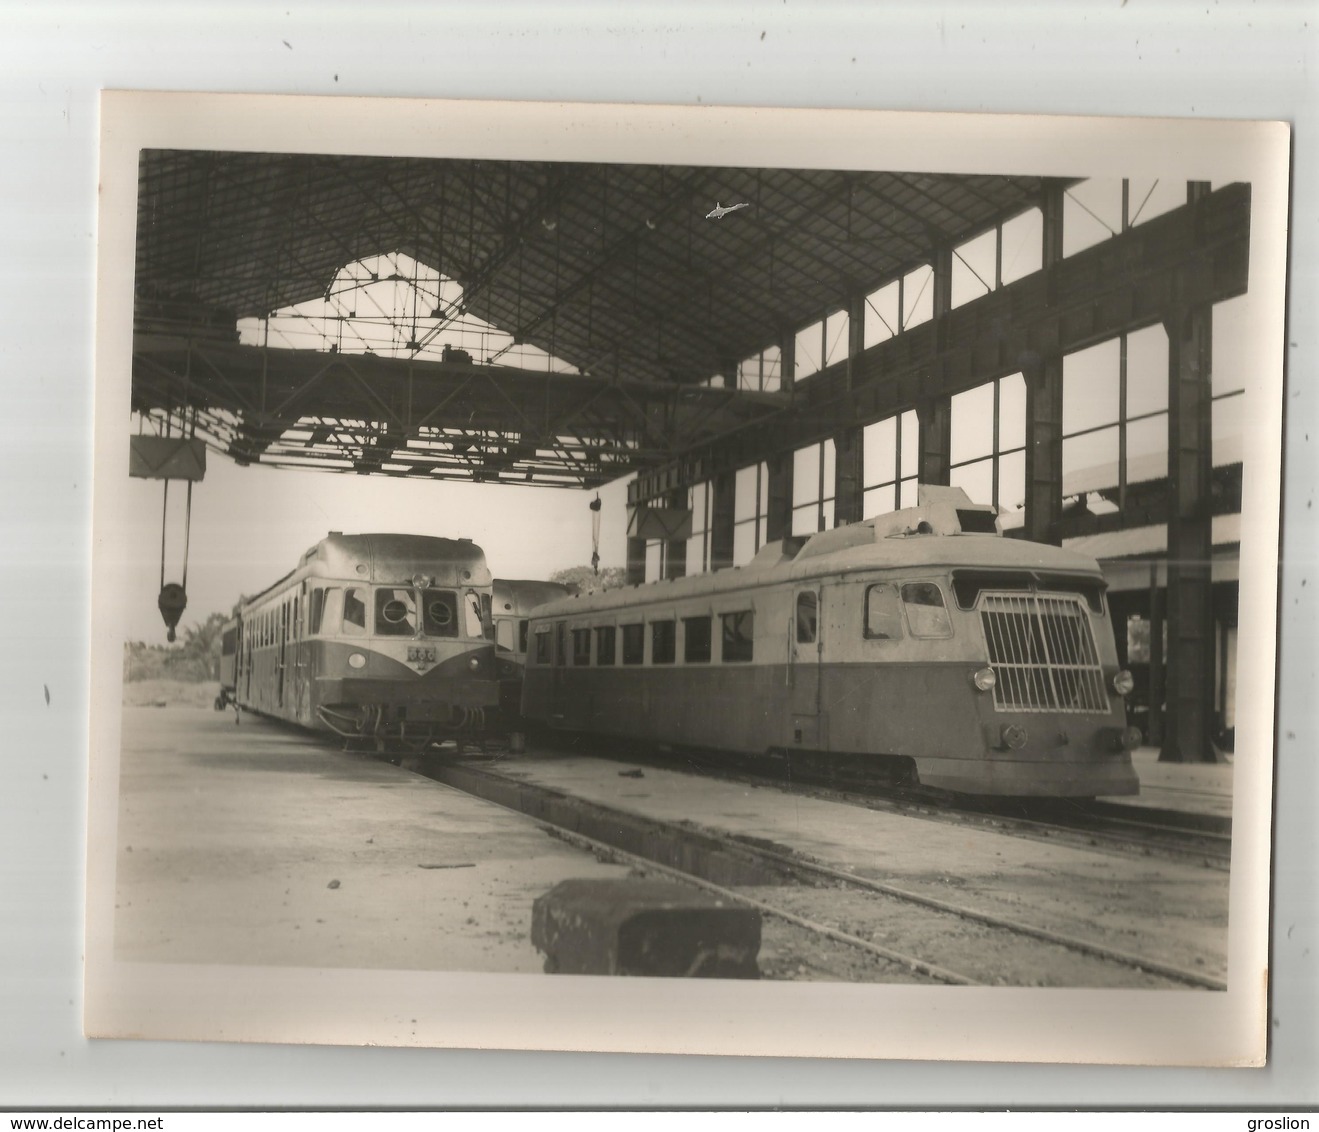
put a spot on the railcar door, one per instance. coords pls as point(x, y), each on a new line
point(806, 640)
point(282, 657)
point(301, 658)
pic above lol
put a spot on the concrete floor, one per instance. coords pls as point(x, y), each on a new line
point(262, 845)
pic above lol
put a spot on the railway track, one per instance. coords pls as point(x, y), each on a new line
point(823, 912)
point(1202, 839)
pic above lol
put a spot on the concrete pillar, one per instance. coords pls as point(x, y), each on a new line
point(723, 499)
point(778, 521)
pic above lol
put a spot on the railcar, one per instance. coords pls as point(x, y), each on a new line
point(378, 637)
point(513, 601)
point(922, 644)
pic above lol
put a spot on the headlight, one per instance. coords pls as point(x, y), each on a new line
point(984, 679)
point(356, 660)
point(473, 663)
point(1123, 682)
point(421, 581)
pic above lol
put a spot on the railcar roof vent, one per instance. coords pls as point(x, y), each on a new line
point(776, 553)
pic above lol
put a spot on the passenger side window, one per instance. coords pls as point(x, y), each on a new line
point(354, 613)
point(807, 616)
point(883, 613)
point(581, 647)
point(738, 632)
point(543, 645)
point(634, 644)
point(927, 616)
point(604, 644)
point(663, 636)
point(696, 640)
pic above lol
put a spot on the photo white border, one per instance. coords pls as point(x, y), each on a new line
point(771, 1019)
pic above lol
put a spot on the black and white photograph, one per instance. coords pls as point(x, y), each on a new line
point(685, 579)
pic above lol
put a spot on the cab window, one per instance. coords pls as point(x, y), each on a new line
point(807, 615)
point(396, 612)
point(440, 613)
point(473, 622)
point(927, 616)
point(883, 613)
point(354, 613)
point(504, 635)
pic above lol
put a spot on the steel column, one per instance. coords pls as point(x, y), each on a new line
point(1190, 611)
point(778, 520)
point(723, 499)
point(1044, 448)
point(675, 550)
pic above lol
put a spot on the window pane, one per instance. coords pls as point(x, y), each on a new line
point(543, 645)
point(835, 338)
point(581, 647)
point(1011, 412)
point(807, 359)
point(662, 638)
point(771, 365)
point(1090, 461)
point(972, 423)
point(879, 501)
point(696, 639)
point(744, 493)
point(473, 619)
point(1092, 213)
point(1227, 421)
point(806, 616)
point(829, 451)
point(1147, 449)
point(354, 613)
point(879, 451)
point(1012, 482)
point(806, 520)
point(744, 543)
point(440, 613)
point(827, 513)
point(1090, 386)
point(973, 268)
point(1147, 199)
point(909, 490)
point(910, 446)
point(806, 475)
point(883, 613)
point(918, 296)
point(738, 632)
point(977, 480)
point(881, 314)
point(1234, 357)
point(1023, 245)
point(317, 607)
point(504, 635)
point(1147, 371)
point(634, 644)
point(604, 645)
point(926, 613)
point(654, 561)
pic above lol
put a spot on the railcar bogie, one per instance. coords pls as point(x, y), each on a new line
point(922, 641)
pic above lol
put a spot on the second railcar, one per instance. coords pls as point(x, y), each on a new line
point(922, 642)
point(513, 601)
point(382, 637)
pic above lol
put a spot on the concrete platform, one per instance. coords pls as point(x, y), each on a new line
point(258, 844)
point(1192, 788)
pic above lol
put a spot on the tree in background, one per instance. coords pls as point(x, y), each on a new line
point(588, 581)
point(195, 659)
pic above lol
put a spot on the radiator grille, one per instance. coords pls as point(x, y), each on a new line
point(1043, 652)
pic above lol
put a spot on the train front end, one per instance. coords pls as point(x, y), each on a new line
point(400, 648)
point(1048, 691)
